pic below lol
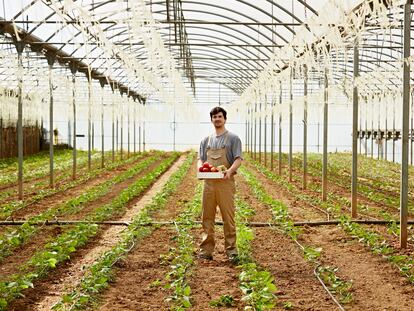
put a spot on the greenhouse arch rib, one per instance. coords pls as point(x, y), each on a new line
point(206, 11)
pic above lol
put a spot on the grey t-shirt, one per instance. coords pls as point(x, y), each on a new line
point(233, 148)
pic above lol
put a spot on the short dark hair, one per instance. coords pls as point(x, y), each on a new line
point(217, 110)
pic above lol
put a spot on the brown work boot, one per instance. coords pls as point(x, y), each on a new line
point(233, 258)
point(205, 256)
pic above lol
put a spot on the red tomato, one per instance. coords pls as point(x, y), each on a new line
point(200, 169)
point(206, 169)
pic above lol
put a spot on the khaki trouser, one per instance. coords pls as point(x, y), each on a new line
point(221, 193)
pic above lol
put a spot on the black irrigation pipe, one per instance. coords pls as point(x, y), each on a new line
point(219, 223)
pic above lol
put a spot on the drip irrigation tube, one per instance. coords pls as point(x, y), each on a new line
point(327, 289)
point(219, 223)
point(317, 276)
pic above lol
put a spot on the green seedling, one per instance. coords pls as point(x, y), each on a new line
point(222, 301)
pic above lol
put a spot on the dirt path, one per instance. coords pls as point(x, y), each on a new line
point(61, 197)
point(279, 255)
point(32, 186)
point(342, 191)
point(376, 284)
point(139, 281)
point(212, 279)
point(11, 264)
point(48, 291)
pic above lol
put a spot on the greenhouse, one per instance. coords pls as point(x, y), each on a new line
point(201, 155)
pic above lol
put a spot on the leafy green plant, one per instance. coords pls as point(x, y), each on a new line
point(65, 244)
point(13, 238)
point(287, 305)
point(341, 288)
point(100, 273)
point(182, 255)
point(374, 241)
point(280, 214)
point(7, 209)
point(258, 287)
point(223, 301)
point(256, 284)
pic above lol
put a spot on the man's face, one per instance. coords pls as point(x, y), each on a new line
point(218, 120)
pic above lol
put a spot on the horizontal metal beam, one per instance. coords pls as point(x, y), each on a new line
point(165, 43)
point(219, 223)
point(366, 46)
point(62, 56)
point(224, 68)
point(162, 22)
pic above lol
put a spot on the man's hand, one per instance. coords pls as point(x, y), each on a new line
point(232, 170)
point(228, 174)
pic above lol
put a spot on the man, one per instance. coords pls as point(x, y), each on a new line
point(220, 148)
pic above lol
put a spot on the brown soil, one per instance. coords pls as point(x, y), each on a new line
point(66, 276)
point(279, 255)
point(34, 185)
point(61, 197)
point(11, 264)
point(375, 281)
point(139, 282)
point(376, 284)
point(114, 192)
point(135, 285)
point(212, 279)
point(339, 190)
point(296, 209)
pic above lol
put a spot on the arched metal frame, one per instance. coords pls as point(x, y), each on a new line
point(211, 10)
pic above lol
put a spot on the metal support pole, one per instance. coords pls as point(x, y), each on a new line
point(113, 120)
point(135, 126)
point(255, 130)
point(305, 127)
point(379, 139)
point(372, 129)
point(366, 127)
point(1, 137)
point(102, 82)
point(50, 61)
point(20, 47)
point(411, 129)
point(290, 124)
point(93, 134)
point(251, 131)
point(354, 185)
point(117, 132)
point(265, 134)
point(405, 126)
point(246, 146)
point(280, 129)
point(89, 119)
point(360, 127)
point(260, 131)
point(325, 140)
point(272, 135)
point(122, 127)
point(393, 130)
point(143, 130)
point(128, 126)
point(386, 131)
point(174, 128)
point(73, 69)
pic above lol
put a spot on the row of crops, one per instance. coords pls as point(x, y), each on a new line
point(147, 258)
